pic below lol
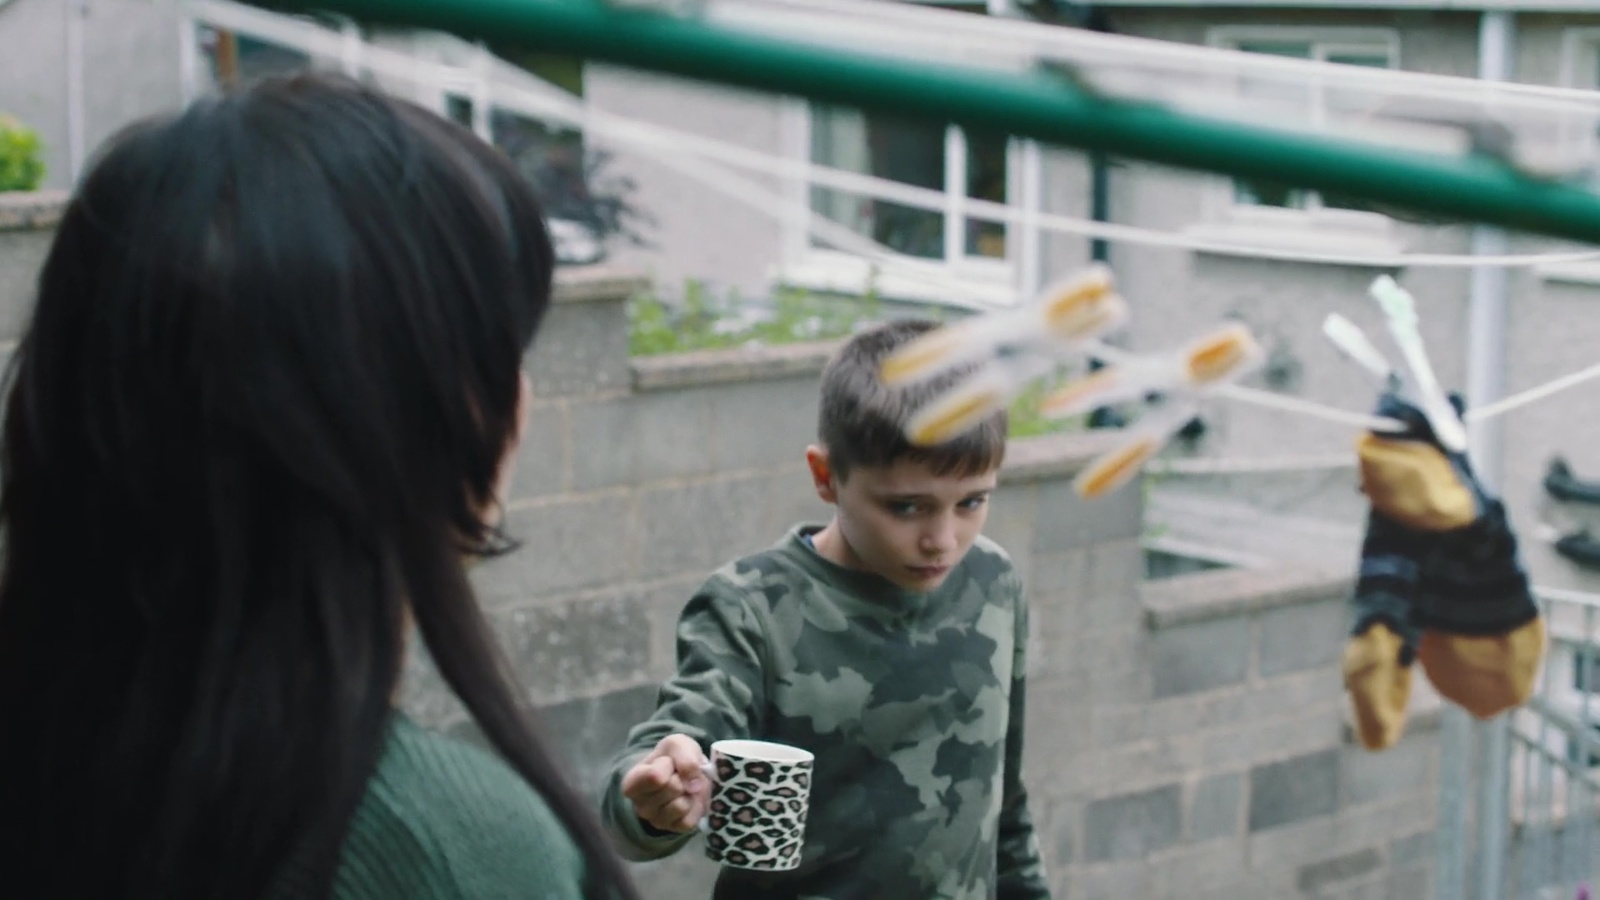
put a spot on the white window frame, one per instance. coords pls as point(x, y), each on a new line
point(957, 278)
point(1328, 228)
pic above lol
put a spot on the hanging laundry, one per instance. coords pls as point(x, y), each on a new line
point(1440, 584)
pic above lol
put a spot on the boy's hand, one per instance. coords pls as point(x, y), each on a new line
point(667, 788)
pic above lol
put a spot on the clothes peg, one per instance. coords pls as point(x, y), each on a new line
point(1009, 350)
point(1400, 310)
point(993, 386)
point(1219, 358)
point(1057, 325)
point(1355, 346)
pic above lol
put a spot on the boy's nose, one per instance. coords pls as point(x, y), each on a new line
point(940, 538)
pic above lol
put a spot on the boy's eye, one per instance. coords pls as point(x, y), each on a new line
point(901, 507)
point(974, 502)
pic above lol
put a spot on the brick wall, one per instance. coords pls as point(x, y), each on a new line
point(1187, 738)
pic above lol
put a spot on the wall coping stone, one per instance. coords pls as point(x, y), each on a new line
point(31, 210)
point(1052, 457)
point(707, 367)
point(1221, 593)
point(589, 284)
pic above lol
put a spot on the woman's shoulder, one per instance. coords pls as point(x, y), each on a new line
point(444, 819)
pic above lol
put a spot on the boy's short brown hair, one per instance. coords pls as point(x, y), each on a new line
point(862, 421)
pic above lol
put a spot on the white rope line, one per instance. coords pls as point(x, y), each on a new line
point(1266, 399)
point(1308, 408)
point(1534, 394)
point(1247, 465)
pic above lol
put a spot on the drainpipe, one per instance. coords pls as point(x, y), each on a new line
point(1099, 203)
point(75, 11)
point(1099, 166)
point(1486, 360)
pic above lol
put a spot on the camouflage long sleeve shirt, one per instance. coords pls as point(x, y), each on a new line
point(912, 703)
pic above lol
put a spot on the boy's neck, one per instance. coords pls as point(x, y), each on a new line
point(831, 546)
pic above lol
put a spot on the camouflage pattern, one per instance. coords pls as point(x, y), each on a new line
point(912, 703)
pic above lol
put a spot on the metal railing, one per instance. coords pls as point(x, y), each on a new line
point(1554, 761)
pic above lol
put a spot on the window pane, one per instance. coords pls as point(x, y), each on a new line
point(910, 152)
point(551, 158)
point(1268, 193)
point(240, 59)
point(986, 180)
point(986, 239)
point(1375, 59)
point(1296, 49)
point(1585, 666)
point(565, 72)
point(458, 109)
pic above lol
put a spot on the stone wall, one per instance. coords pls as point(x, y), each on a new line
point(1186, 738)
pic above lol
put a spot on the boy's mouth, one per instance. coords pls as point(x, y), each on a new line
point(928, 573)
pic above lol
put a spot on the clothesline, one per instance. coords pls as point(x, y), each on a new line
point(698, 157)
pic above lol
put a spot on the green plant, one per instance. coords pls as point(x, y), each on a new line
point(699, 321)
point(21, 152)
point(1025, 420)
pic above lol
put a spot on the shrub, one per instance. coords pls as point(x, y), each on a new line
point(21, 162)
point(698, 320)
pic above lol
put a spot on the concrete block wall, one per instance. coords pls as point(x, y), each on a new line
point(27, 221)
point(1186, 738)
point(1236, 775)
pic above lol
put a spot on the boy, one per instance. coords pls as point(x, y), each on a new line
point(890, 643)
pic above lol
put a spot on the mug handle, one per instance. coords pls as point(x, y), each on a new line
point(710, 772)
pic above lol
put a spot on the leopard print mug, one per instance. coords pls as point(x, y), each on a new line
point(761, 792)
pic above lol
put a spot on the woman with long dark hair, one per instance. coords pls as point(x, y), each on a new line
point(261, 420)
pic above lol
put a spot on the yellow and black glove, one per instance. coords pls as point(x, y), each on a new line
point(1440, 582)
point(1383, 641)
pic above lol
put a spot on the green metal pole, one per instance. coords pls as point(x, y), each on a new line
point(1039, 105)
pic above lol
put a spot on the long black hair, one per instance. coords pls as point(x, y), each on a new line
point(253, 427)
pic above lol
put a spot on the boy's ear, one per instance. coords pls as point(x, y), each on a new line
point(821, 474)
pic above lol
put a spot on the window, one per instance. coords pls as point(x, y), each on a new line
point(1362, 47)
point(919, 154)
point(240, 58)
point(955, 254)
point(1586, 683)
point(587, 202)
point(1586, 670)
point(1580, 58)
